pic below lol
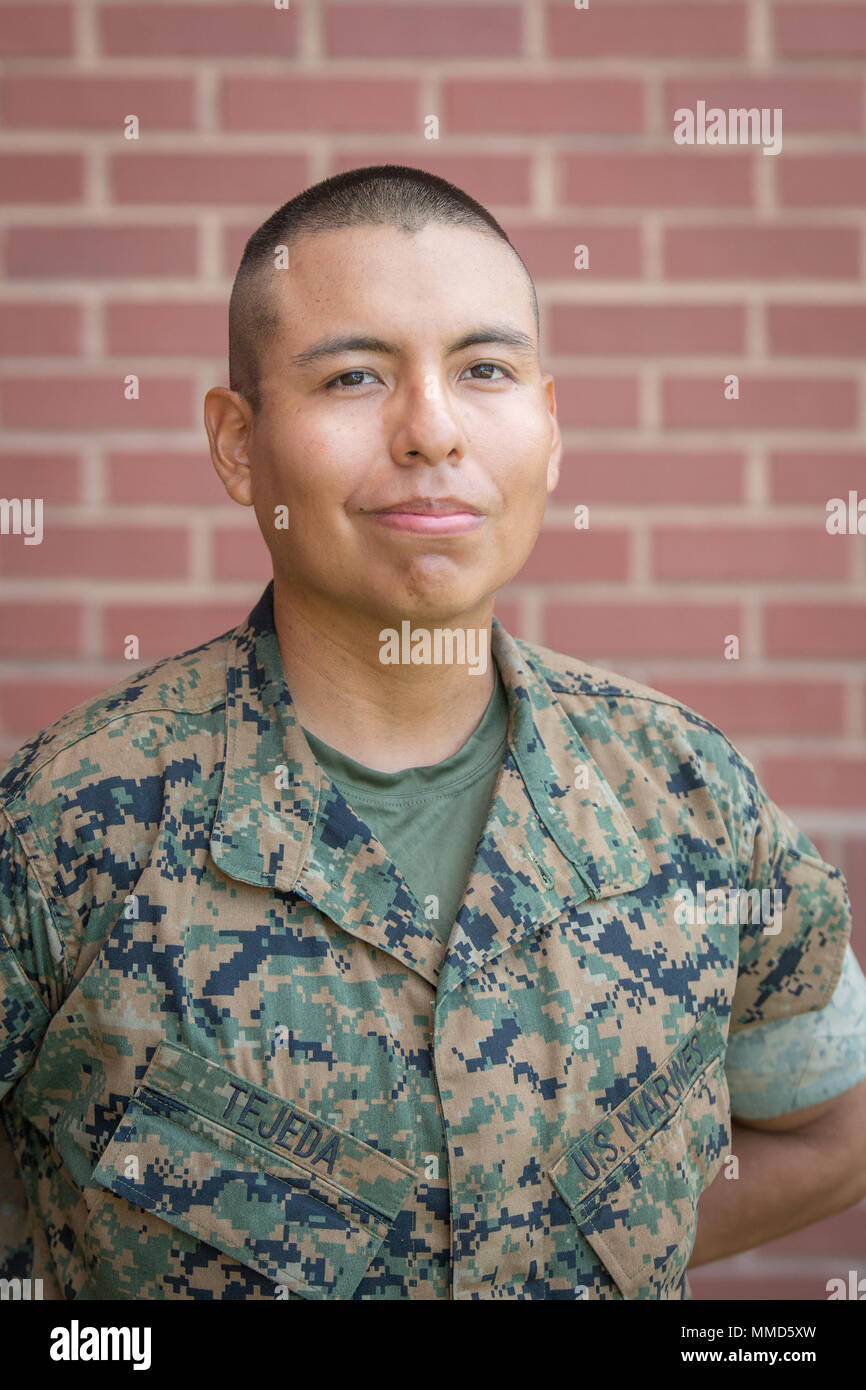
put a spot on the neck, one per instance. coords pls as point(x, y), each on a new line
point(391, 713)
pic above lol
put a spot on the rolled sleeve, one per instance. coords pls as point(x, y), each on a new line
point(793, 1063)
point(792, 951)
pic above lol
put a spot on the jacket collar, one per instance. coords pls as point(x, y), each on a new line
point(547, 846)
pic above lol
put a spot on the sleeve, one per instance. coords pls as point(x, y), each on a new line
point(794, 924)
point(792, 1063)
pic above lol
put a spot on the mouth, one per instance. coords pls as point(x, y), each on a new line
point(429, 516)
point(429, 506)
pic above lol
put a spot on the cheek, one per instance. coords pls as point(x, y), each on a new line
point(519, 448)
point(308, 468)
point(523, 484)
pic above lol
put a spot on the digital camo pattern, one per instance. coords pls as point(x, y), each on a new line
point(242, 1064)
point(200, 1148)
point(794, 1063)
point(634, 1197)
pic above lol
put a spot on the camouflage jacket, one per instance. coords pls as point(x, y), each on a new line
point(239, 1062)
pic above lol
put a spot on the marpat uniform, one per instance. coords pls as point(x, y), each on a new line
point(239, 1062)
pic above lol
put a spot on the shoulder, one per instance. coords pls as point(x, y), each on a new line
point(634, 726)
point(82, 801)
point(129, 731)
point(594, 692)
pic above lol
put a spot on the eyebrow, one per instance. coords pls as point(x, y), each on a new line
point(488, 333)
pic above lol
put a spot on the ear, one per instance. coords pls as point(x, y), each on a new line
point(555, 436)
point(228, 419)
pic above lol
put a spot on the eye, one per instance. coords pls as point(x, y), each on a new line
point(495, 366)
point(354, 371)
point(338, 384)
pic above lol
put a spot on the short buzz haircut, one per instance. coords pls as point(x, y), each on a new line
point(380, 194)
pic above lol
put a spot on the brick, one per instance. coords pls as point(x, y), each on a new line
point(30, 329)
point(766, 403)
point(822, 180)
point(97, 103)
point(816, 779)
point(47, 627)
point(167, 329)
point(422, 31)
point(816, 330)
point(593, 402)
point(768, 252)
point(253, 102)
point(646, 30)
point(36, 31)
point(652, 476)
point(93, 252)
point(239, 552)
point(598, 631)
point(167, 629)
point(561, 555)
point(26, 706)
point(164, 475)
point(646, 329)
point(814, 476)
point(657, 181)
point(113, 550)
point(212, 30)
point(853, 866)
point(96, 402)
point(738, 552)
point(495, 179)
point(235, 236)
point(754, 705)
point(41, 178)
point(813, 31)
point(208, 178)
point(812, 630)
point(53, 477)
point(544, 105)
point(614, 250)
point(807, 103)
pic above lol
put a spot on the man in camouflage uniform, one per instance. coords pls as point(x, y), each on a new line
point(330, 978)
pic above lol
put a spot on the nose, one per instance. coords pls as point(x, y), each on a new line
point(427, 425)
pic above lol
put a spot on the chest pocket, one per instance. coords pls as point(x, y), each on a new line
point(302, 1204)
point(632, 1183)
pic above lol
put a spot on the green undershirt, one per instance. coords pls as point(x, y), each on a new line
point(429, 819)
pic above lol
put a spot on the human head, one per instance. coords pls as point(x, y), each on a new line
point(422, 299)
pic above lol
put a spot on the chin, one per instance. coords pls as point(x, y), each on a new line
point(436, 606)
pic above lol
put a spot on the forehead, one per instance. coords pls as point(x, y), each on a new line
point(421, 283)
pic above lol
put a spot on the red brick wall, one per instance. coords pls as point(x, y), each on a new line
point(707, 516)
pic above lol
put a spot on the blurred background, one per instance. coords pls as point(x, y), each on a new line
point(707, 516)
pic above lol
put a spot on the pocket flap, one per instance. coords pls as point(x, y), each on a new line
point(254, 1175)
point(633, 1181)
